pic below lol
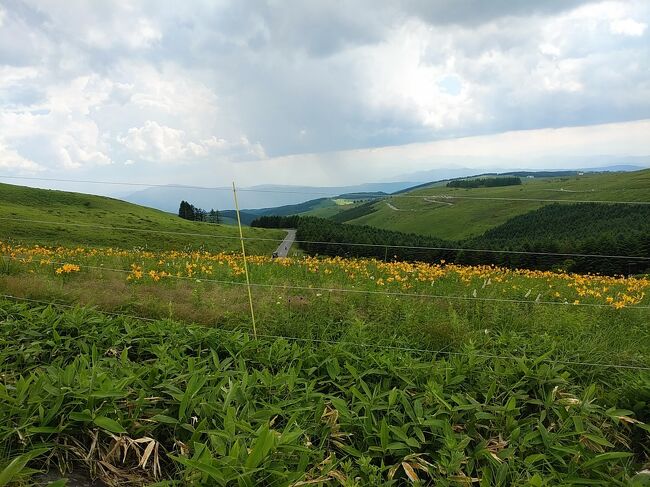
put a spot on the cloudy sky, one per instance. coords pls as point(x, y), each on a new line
point(319, 92)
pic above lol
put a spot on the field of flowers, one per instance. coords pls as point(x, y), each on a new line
point(477, 282)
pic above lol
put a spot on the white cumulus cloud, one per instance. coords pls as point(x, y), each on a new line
point(159, 143)
point(10, 159)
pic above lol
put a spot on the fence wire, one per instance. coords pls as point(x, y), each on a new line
point(323, 242)
point(343, 343)
point(339, 289)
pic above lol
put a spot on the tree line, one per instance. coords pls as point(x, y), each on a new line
point(589, 229)
point(484, 182)
point(190, 212)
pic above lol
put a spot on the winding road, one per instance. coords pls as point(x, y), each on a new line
point(285, 246)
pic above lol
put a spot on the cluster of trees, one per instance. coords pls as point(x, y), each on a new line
point(327, 237)
point(587, 229)
point(484, 182)
point(190, 212)
point(582, 228)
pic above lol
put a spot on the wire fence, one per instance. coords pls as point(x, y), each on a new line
point(324, 242)
point(343, 290)
point(348, 344)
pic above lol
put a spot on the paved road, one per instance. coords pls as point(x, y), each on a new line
point(285, 246)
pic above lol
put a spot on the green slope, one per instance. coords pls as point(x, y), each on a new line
point(248, 215)
point(62, 218)
point(424, 211)
point(320, 207)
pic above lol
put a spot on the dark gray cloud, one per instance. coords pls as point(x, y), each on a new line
point(476, 12)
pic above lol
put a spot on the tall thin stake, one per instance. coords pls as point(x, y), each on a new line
point(243, 252)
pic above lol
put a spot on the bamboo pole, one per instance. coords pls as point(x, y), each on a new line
point(243, 251)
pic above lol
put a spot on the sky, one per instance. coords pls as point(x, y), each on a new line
point(319, 92)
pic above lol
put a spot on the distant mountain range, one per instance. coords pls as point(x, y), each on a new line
point(168, 198)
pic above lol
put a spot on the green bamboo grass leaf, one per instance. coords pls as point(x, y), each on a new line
point(350, 450)
point(216, 474)
point(161, 418)
point(45, 429)
point(392, 397)
point(599, 440)
point(384, 435)
point(642, 479)
point(17, 465)
point(109, 424)
point(397, 446)
point(288, 437)
point(333, 368)
point(263, 444)
point(605, 458)
point(83, 416)
point(229, 422)
point(399, 432)
point(536, 457)
point(341, 406)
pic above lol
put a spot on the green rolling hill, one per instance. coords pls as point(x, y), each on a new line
point(430, 211)
point(49, 217)
point(320, 207)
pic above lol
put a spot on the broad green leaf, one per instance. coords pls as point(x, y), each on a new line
point(161, 418)
point(82, 416)
point(215, 474)
point(384, 437)
point(262, 445)
point(598, 439)
point(17, 465)
point(109, 424)
point(606, 457)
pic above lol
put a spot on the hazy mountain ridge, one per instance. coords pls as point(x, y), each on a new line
point(168, 198)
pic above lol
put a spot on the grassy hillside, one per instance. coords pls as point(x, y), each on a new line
point(426, 212)
point(248, 215)
point(65, 218)
point(320, 207)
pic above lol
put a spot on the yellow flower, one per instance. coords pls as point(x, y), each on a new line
point(67, 269)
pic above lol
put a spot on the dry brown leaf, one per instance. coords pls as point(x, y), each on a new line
point(495, 445)
point(629, 420)
point(410, 472)
point(464, 479)
point(330, 459)
point(92, 445)
point(310, 482)
point(495, 456)
point(338, 476)
point(419, 458)
point(147, 453)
